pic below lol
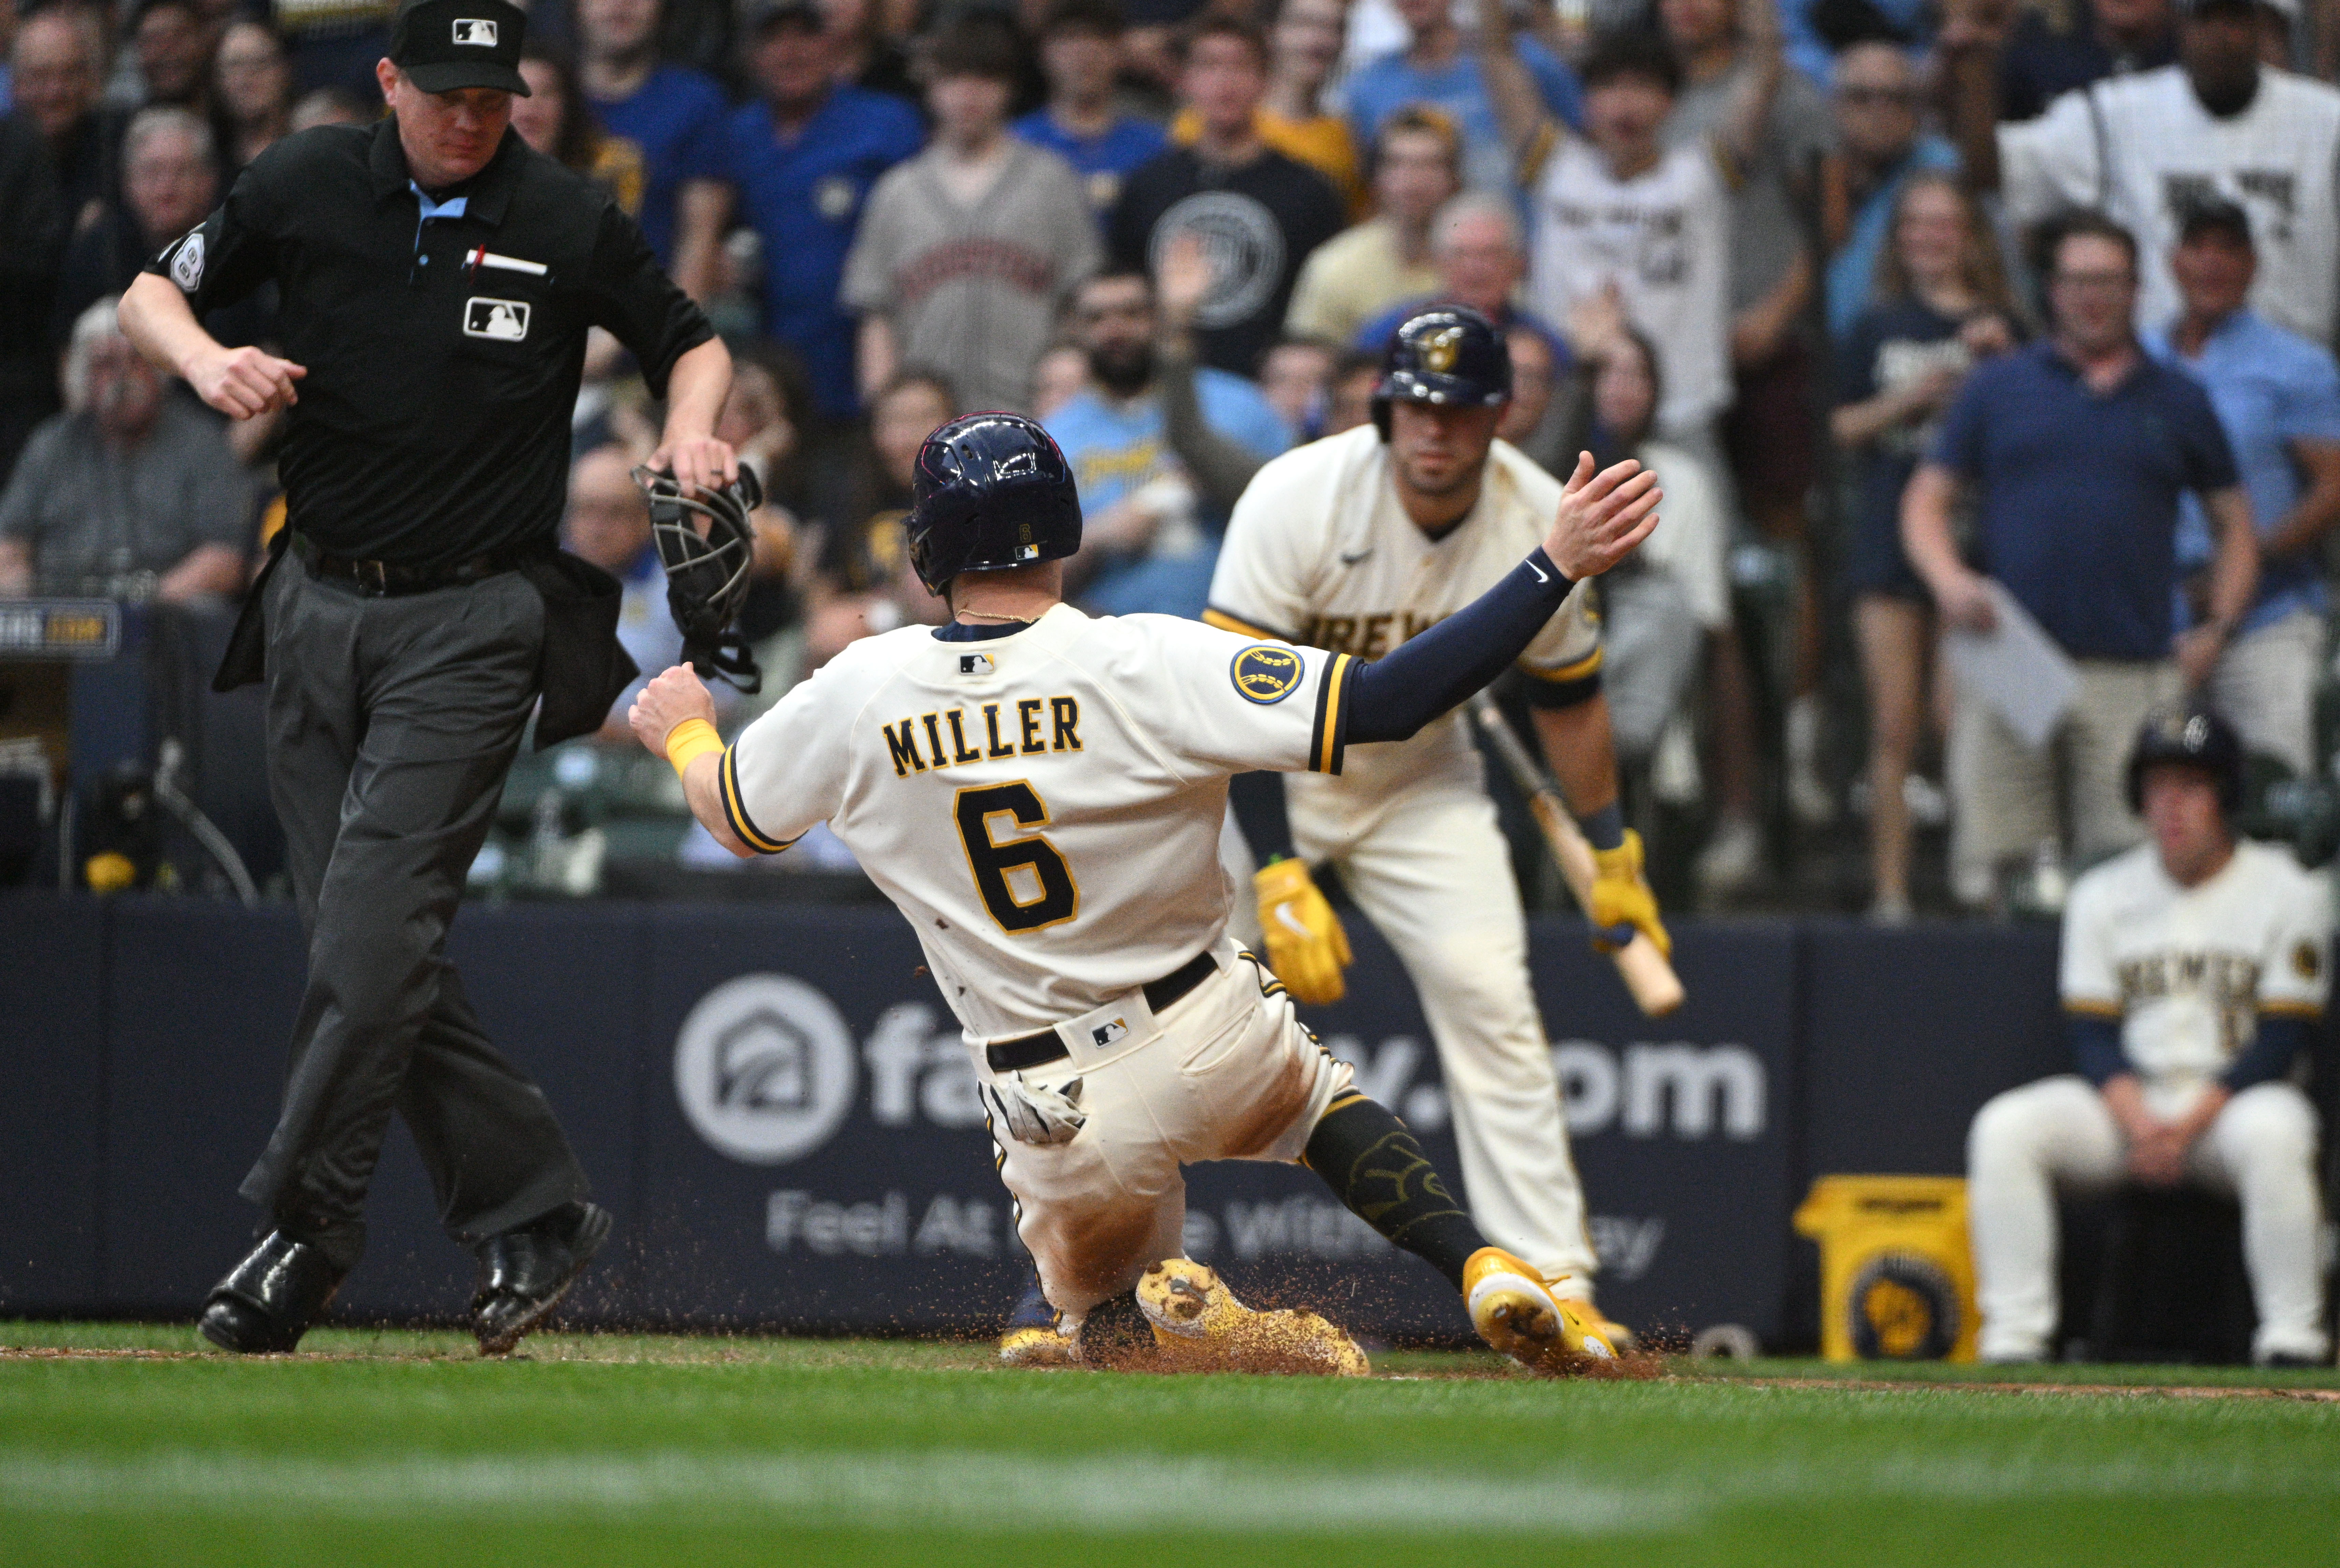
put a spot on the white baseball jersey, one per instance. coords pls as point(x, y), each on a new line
point(2141, 147)
point(2189, 970)
point(1044, 807)
point(1663, 238)
point(1321, 553)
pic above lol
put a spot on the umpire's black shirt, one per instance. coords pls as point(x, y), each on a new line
point(444, 355)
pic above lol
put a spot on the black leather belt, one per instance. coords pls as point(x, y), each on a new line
point(382, 579)
point(1031, 1050)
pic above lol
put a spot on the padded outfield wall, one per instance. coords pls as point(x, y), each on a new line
point(773, 1101)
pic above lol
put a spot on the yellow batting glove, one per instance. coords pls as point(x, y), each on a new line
point(1305, 945)
point(1620, 897)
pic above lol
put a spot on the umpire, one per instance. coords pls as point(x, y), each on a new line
point(437, 280)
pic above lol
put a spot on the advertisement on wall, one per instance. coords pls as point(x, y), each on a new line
point(817, 1153)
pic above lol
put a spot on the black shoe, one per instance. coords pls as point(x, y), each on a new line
point(2285, 1361)
point(268, 1300)
point(524, 1273)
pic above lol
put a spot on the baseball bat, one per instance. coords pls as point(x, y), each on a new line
point(1657, 990)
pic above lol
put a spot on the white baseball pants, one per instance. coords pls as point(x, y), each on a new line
point(1225, 1073)
point(1434, 873)
point(2057, 1134)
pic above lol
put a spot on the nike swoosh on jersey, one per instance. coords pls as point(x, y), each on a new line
point(1349, 560)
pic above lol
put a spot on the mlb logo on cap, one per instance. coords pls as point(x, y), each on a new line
point(451, 46)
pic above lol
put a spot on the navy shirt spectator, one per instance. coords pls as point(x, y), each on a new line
point(2077, 490)
point(802, 160)
point(1080, 44)
point(673, 115)
point(2076, 452)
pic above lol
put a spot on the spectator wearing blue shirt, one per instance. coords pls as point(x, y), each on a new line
point(1159, 447)
point(1080, 54)
point(799, 162)
point(1436, 69)
point(1875, 102)
point(1819, 35)
point(2278, 397)
point(673, 117)
point(2076, 451)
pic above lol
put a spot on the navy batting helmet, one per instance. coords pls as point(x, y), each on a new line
point(2194, 736)
point(1450, 356)
point(991, 490)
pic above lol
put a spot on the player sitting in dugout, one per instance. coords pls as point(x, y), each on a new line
point(1041, 794)
point(2194, 968)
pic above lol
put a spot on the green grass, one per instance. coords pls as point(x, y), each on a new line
point(121, 1445)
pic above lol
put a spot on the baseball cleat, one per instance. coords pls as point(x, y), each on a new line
point(1516, 1313)
point(1033, 1346)
point(1200, 1326)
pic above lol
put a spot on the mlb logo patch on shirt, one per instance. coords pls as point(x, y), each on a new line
point(975, 664)
point(505, 321)
point(480, 32)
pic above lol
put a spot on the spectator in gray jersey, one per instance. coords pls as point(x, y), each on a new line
point(968, 251)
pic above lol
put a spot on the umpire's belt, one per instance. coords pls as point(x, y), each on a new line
point(383, 579)
point(1031, 1050)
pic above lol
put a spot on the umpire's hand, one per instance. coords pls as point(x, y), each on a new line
point(667, 701)
point(242, 384)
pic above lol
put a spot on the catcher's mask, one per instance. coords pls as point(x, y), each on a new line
point(707, 573)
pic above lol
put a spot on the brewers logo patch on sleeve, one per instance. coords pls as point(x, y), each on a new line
point(1265, 674)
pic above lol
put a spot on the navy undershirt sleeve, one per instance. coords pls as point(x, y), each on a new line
point(2273, 1048)
point(1257, 800)
point(1429, 674)
point(2097, 1048)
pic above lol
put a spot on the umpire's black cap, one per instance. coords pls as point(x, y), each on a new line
point(1448, 354)
point(443, 46)
point(2188, 735)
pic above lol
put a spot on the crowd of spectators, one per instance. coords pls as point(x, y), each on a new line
point(1937, 320)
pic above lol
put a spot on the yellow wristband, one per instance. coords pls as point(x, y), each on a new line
point(689, 741)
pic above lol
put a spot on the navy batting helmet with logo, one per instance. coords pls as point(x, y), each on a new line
point(991, 490)
point(1448, 354)
point(2193, 737)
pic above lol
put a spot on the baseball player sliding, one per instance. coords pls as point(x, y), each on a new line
point(2194, 968)
point(1041, 794)
point(1358, 544)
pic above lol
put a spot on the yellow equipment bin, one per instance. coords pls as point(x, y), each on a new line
point(1897, 1276)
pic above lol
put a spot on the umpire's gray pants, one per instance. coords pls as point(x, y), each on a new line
point(392, 722)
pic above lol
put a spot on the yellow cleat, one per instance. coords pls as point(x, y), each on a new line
point(1200, 1326)
point(1515, 1312)
point(1039, 1348)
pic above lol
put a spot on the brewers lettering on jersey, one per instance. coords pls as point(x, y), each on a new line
point(1041, 794)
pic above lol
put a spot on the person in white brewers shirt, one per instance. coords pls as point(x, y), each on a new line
point(2218, 123)
point(2194, 967)
point(1041, 795)
point(1620, 222)
point(1358, 544)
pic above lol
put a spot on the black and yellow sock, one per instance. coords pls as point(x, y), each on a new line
point(1369, 1160)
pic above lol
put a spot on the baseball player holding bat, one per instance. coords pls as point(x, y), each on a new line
point(1041, 794)
point(1359, 544)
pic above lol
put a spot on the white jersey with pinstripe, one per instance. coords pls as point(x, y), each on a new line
point(1044, 807)
point(2189, 971)
point(1320, 552)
